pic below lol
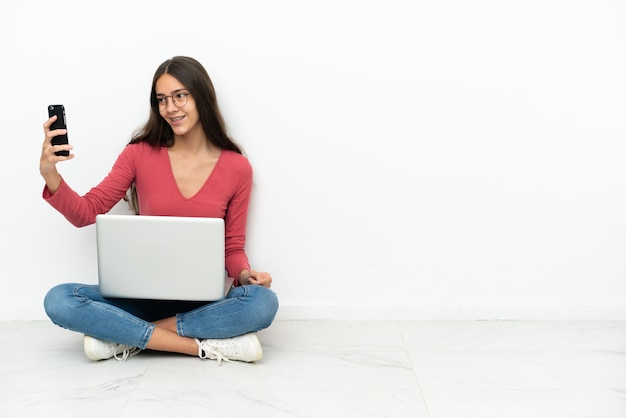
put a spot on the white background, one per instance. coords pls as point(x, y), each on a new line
point(412, 158)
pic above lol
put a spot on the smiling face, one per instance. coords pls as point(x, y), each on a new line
point(184, 120)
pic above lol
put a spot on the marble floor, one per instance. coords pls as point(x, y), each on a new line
point(436, 369)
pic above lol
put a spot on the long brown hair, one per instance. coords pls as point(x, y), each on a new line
point(158, 133)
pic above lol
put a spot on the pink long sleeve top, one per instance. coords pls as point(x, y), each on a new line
point(225, 194)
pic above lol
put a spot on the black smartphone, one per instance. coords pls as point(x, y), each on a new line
point(59, 111)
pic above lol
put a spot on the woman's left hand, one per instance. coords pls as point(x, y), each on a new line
point(260, 278)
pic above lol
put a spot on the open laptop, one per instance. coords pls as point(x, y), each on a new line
point(161, 257)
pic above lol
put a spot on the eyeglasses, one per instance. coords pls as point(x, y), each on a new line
point(179, 99)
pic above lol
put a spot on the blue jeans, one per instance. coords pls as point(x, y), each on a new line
point(81, 308)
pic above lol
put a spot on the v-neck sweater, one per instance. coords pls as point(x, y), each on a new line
point(225, 194)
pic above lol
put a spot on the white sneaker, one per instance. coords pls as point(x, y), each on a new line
point(243, 348)
point(96, 349)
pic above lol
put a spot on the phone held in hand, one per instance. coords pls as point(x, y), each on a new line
point(59, 111)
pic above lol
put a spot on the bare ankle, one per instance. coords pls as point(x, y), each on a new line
point(164, 340)
point(168, 324)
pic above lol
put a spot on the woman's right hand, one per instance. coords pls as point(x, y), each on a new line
point(48, 160)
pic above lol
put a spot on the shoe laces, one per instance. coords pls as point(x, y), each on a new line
point(123, 352)
point(218, 350)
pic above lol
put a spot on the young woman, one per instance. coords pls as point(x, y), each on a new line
point(181, 163)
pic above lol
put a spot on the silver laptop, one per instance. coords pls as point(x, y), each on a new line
point(161, 257)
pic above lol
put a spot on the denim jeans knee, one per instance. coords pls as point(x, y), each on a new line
point(264, 306)
point(81, 308)
point(56, 304)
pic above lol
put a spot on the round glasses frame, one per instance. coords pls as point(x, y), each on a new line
point(179, 99)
